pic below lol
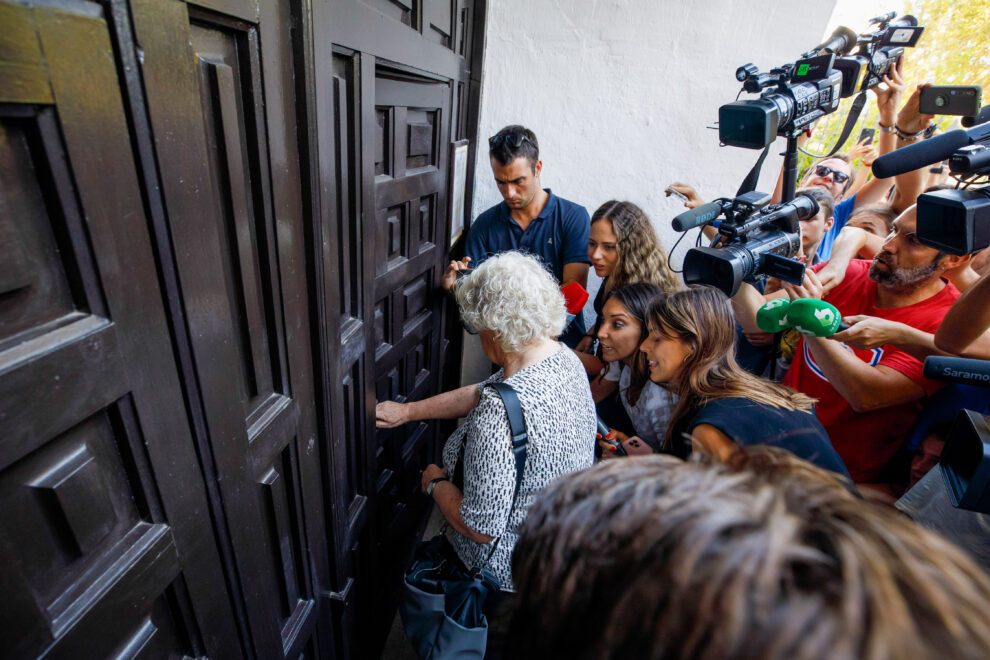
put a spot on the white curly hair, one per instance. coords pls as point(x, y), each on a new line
point(512, 295)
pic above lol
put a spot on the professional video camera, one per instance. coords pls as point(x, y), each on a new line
point(953, 221)
point(812, 86)
point(965, 459)
point(756, 239)
point(878, 52)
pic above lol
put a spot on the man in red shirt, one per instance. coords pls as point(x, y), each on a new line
point(868, 399)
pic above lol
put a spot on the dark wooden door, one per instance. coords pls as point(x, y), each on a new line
point(219, 82)
point(106, 543)
point(394, 100)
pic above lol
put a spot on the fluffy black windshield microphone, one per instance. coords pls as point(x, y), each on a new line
point(919, 155)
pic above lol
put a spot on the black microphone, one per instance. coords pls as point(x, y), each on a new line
point(980, 118)
point(915, 156)
point(958, 370)
point(841, 41)
point(697, 216)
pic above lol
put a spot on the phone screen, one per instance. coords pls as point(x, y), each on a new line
point(867, 133)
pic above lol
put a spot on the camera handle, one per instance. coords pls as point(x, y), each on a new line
point(790, 170)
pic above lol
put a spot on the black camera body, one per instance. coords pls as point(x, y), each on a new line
point(755, 239)
point(965, 461)
point(806, 90)
point(957, 221)
point(812, 87)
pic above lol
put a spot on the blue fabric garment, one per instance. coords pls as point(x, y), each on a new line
point(750, 423)
point(557, 236)
point(842, 212)
point(943, 407)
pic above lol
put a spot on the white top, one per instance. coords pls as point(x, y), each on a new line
point(653, 410)
point(560, 420)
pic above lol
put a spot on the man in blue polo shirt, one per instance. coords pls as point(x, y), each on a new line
point(529, 219)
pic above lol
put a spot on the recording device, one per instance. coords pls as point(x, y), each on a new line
point(878, 52)
point(755, 240)
point(603, 434)
point(803, 92)
point(575, 298)
point(866, 134)
point(809, 316)
point(798, 93)
point(676, 193)
point(965, 461)
point(961, 100)
point(953, 221)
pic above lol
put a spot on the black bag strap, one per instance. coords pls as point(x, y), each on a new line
point(520, 440)
point(517, 427)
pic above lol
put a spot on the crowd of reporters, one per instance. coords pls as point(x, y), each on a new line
point(764, 531)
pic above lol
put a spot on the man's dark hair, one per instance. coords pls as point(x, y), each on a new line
point(503, 145)
point(649, 557)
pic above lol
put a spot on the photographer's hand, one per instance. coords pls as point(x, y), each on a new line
point(889, 96)
point(693, 198)
point(910, 119)
point(869, 332)
point(864, 152)
point(811, 287)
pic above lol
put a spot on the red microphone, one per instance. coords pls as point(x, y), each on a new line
point(575, 298)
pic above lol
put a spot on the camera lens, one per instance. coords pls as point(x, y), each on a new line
point(940, 101)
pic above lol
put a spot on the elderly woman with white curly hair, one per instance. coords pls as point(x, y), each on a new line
point(517, 309)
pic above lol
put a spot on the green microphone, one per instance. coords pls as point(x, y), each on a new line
point(814, 318)
point(772, 315)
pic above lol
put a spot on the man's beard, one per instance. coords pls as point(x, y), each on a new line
point(902, 279)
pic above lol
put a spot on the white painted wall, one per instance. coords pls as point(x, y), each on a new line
point(620, 92)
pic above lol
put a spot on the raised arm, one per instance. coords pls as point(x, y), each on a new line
point(693, 200)
point(845, 248)
point(910, 123)
point(964, 328)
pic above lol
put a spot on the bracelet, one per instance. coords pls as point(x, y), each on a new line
point(885, 129)
point(433, 484)
point(923, 134)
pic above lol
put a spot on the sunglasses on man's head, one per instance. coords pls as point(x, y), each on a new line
point(825, 170)
point(514, 140)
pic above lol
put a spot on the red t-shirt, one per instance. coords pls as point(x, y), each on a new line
point(867, 441)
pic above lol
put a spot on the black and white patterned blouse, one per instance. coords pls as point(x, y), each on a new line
point(560, 420)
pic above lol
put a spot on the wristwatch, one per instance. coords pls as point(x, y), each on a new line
point(433, 484)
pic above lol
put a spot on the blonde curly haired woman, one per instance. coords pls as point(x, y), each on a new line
point(623, 249)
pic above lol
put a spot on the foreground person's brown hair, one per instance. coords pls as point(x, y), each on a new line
point(650, 557)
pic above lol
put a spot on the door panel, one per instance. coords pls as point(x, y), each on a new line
point(237, 232)
point(392, 95)
point(103, 542)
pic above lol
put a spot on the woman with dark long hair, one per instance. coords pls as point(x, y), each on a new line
point(623, 329)
point(691, 351)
